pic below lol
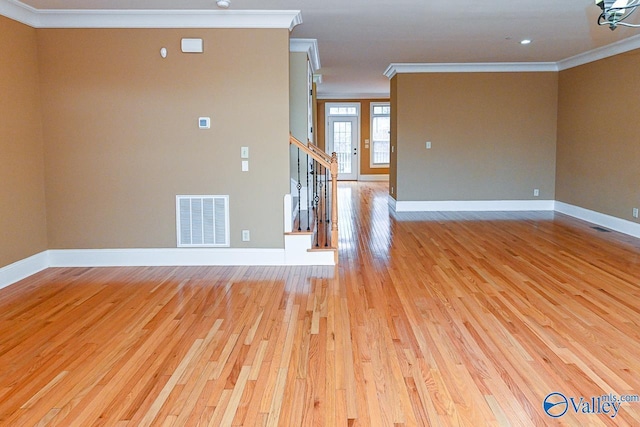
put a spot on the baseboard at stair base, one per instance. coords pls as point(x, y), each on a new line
point(295, 253)
point(299, 251)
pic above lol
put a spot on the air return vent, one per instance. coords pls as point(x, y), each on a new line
point(202, 221)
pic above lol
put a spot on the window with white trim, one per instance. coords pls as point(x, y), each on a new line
point(380, 134)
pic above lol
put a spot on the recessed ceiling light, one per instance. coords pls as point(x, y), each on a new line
point(525, 41)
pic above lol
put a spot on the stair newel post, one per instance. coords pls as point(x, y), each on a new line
point(325, 214)
point(334, 200)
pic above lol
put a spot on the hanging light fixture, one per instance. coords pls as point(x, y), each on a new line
point(223, 4)
point(615, 12)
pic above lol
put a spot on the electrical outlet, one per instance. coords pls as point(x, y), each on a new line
point(246, 235)
point(536, 192)
point(428, 145)
point(391, 189)
point(635, 212)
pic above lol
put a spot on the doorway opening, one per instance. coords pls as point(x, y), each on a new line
point(343, 136)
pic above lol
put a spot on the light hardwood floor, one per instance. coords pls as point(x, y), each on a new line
point(441, 319)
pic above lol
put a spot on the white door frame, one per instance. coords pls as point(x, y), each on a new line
point(327, 139)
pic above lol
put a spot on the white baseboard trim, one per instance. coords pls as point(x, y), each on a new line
point(374, 177)
point(473, 205)
point(603, 220)
point(164, 257)
point(392, 202)
point(297, 251)
point(24, 268)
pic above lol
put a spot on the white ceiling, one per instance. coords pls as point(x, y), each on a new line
point(358, 39)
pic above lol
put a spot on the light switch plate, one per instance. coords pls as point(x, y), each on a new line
point(244, 152)
point(204, 122)
point(245, 165)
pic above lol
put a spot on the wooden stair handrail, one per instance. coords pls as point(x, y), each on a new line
point(319, 150)
point(330, 163)
point(320, 159)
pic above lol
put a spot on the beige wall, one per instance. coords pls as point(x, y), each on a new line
point(598, 151)
point(393, 156)
point(298, 112)
point(365, 131)
point(493, 136)
point(122, 138)
point(22, 200)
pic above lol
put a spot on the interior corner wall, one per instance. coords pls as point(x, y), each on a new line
point(598, 152)
point(122, 138)
point(493, 136)
point(393, 143)
point(23, 227)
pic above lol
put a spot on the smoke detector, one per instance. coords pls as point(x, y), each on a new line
point(223, 4)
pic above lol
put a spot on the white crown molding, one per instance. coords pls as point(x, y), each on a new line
point(19, 12)
point(471, 67)
point(612, 49)
point(310, 47)
point(60, 18)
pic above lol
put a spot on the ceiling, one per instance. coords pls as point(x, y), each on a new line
point(358, 39)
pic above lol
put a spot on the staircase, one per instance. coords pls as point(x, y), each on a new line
point(311, 210)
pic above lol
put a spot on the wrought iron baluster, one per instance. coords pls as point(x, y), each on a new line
point(299, 187)
point(308, 201)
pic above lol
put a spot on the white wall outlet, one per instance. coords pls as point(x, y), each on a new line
point(244, 152)
point(635, 212)
point(428, 145)
point(245, 165)
point(536, 192)
point(392, 189)
point(246, 235)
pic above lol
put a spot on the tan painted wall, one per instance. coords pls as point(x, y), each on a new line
point(598, 126)
point(23, 227)
point(365, 131)
point(493, 136)
point(393, 157)
point(122, 138)
point(298, 113)
point(298, 96)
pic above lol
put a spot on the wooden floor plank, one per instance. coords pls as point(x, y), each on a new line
point(430, 319)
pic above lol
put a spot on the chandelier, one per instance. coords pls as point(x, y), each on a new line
point(615, 12)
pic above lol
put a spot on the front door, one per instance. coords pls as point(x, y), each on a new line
point(342, 132)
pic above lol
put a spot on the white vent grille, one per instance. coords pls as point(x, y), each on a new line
point(202, 221)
